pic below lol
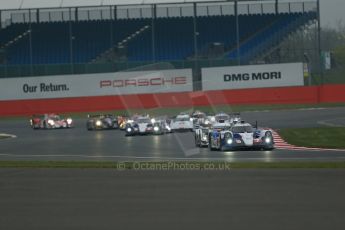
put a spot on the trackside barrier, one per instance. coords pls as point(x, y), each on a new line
point(281, 95)
point(332, 93)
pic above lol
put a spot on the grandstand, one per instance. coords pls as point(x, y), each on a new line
point(231, 32)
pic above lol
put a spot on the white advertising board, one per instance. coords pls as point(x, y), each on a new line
point(252, 76)
point(119, 83)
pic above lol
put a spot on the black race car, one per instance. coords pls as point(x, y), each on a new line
point(101, 121)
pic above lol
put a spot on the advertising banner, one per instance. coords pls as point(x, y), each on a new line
point(119, 83)
point(252, 76)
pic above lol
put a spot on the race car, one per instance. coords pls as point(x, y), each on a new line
point(161, 125)
point(235, 118)
point(131, 129)
point(220, 118)
point(141, 125)
point(100, 121)
point(50, 121)
point(199, 118)
point(241, 135)
point(201, 136)
point(201, 133)
point(122, 122)
point(182, 122)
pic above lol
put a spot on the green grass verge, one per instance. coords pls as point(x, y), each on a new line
point(207, 109)
point(325, 137)
point(169, 165)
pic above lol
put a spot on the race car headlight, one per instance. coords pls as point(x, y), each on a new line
point(229, 141)
point(156, 128)
point(268, 140)
point(213, 119)
point(129, 130)
point(69, 121)
point(153, 120)
point(51, 122)
point(98, 123)
point(207, 122)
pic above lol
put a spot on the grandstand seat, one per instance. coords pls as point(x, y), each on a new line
point(174, 37)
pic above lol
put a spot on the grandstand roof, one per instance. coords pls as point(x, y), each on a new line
point(34, 4)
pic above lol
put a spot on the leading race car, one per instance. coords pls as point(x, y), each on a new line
point(101, 121)
point(241, 136)
point(50, 121)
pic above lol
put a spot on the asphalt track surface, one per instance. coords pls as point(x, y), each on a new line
point(79, 144)
point(55, 199)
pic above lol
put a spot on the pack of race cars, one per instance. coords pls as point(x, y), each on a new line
point(221, 131)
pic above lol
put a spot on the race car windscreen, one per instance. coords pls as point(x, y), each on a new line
point(242, 129)
point(182, 119)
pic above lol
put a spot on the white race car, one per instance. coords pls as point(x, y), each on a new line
point(199, 119)
point(182, 122)
point(161, 125)
point(219, 122)
point(201, 136)
point(222, 118)
point(141, 125)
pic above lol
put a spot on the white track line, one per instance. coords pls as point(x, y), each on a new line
point(330, 122)
point(7, 135)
